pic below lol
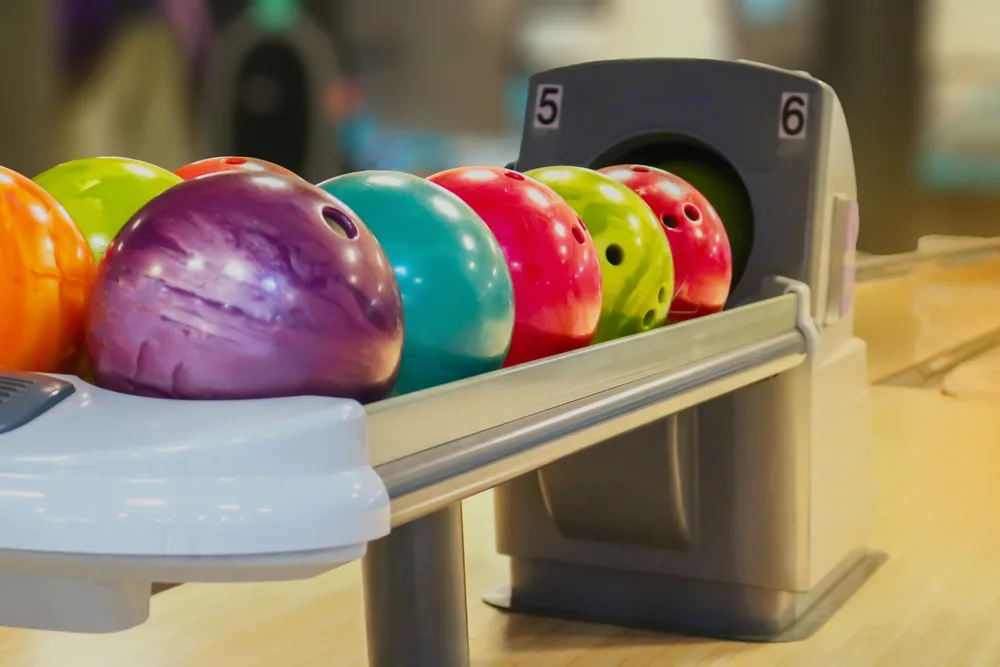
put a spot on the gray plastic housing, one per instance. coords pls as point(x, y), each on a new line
point(732, 109)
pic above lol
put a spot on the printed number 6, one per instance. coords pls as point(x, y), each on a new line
point(793, 115)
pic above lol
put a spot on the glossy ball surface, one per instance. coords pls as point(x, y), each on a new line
point(101, 194)
point(458, 298)
point(703, 262)
point(215, 165)
point(550, 254)
point(636, 263)
point(246, 285)
point(46, 275)
point(728, 196)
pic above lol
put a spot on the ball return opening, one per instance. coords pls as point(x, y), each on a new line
point(705, 168)
point(712, 476)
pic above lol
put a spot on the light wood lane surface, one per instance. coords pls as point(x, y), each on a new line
point(909, 319)
point(936, 602)
point(978, 378)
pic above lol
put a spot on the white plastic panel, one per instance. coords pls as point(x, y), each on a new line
point(107, 474)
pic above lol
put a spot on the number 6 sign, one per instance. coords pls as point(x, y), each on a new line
point(794, 116)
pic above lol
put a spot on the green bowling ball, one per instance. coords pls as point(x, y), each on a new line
point(729, 199)
point(458, 296)
point(637, 267)
point(102, 193)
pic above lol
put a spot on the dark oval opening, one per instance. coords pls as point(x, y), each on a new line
point(579, 236)
point(640, 169)
point(340, 223)
point(272, 111)
point(669, 221)
point(614, 254)
point(514, 175)
point(235, 160)
point(692, 212)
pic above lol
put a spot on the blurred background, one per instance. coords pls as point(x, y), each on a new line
point(326, 86)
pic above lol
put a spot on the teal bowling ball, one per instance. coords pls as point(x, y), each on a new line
point(458, 296)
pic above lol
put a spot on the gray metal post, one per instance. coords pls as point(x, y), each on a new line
point(415, 604)
point(27, 38)
point(870, 53)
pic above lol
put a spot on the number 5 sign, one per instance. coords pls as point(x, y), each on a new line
point(794, 116)
point(548, 107)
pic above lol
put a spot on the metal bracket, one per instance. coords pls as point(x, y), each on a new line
point(776, 285)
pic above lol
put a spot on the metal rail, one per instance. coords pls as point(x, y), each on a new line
point(436, 448)
point(875, 267)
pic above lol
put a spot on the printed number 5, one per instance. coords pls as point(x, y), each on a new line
point(548, 107)
point(794, 116)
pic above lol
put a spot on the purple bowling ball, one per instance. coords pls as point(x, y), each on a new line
point(246, 285)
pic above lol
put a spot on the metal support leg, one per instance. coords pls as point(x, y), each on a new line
point(415, 594)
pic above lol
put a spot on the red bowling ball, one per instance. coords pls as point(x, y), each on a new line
point(551, 256)
point(215, 165)
point(703, 260)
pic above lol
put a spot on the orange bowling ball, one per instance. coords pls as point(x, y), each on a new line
point(47, 271)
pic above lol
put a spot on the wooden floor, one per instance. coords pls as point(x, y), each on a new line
point(936, 602)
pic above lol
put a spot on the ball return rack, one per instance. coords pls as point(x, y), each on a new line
point(711, 477)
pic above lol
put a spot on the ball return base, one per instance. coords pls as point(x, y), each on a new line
point(665, 604)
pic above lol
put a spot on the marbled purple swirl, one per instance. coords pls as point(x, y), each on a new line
point(237, 285)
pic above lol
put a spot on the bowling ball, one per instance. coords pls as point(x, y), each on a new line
point(636, 263)
point(214, 165)
point(102, 193)
point(246, 285)
point(46, 275)
point(551, 257)
point(703, 263)
point(458, 298)
point(728, 197)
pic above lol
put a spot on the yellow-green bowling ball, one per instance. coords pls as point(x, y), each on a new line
point(637, 267)
point(101, 194)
